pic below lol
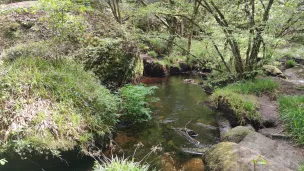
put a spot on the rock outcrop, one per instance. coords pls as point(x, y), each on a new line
point(273, 71)
point(244, 156)
point(237, 134)
point(229, 156)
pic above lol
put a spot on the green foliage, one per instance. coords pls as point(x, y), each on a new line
point(135, 102)
point(62, 103)
point(292, 113)
point(64, 18)
point(114, 61)
point(120, 164)
point(256, 86)
point(290, 63)
point(301, 168)
point(153, 54)
point(258, 161)
point(240, 104)
point(158, 43)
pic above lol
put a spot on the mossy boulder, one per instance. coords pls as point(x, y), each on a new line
point(237, 134)
point(114, 61)
point(229, 156)
point(273, 71)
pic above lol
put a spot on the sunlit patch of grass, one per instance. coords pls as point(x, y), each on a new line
point(57, 104)
point(257, 86)
point(240, 104)
point(292, 113)
point(116, 163)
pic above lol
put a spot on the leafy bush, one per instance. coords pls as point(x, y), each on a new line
point(240, 104)
point(135, 101)
point(292, 113)
point(290, 63)
point(119, 164)
point(257, 86)
point(57, 104)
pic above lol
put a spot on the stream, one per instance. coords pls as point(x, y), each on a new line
point(178, 107)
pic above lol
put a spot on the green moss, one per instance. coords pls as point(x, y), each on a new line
point(240, 104)
point(222, 157)
point(237, 134)
point(57, 104)
point(114, 61)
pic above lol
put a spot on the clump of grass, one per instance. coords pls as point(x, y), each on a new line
point(153, 53)
point(57, 103)
point(292, 113)
point(290, 63)
point(117, 163)
point(240, 104)
point(257, 86)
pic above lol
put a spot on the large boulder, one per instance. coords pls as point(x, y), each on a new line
point(154, 68)
point(114, 61)
point(237, 134)
point(280, 152)
point(229, 156)
point(274, 71)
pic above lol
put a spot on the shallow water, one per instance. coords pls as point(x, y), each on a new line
point(178, 107)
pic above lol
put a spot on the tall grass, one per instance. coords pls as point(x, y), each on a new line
point(60, 103)
point(257, 86)
point(120, 164)
point(292, 113)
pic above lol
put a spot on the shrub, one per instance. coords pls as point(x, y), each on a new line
point(240, 104)
point(290, 63)
point(57, 104)
point(292, 113)
point(257, 86)
point(135, 101)
point(119, 164)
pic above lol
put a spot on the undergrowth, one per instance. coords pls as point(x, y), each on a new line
point(50, 105)
point(292, 113)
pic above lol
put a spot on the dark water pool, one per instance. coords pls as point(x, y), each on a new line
point(178, 107)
